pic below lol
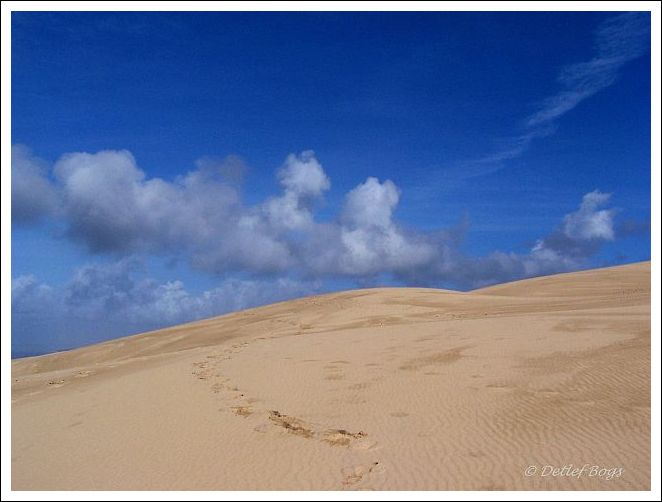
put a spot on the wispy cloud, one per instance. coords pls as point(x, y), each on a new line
point(618, 40)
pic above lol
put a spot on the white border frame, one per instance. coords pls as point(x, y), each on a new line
point(5, 263)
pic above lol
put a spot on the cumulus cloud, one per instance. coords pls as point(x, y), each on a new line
point(581, 234)
point(115, 299)
point(110, 205)
point(371, 204)
point(32, 194)
point(589, 222)
point(303, 181)
point(370, 242)
point(102, 301)
point(303, 175)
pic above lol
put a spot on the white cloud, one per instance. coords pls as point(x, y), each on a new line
point(105, 301)
point(303, 175)
point(365, 242)
point(111, 205)
point(580, 236)
point(371, 204)
point(371, 239)
point(303, 181)
point(589, 222)
point(287, 213)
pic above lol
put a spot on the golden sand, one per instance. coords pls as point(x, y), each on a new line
point(514, 386)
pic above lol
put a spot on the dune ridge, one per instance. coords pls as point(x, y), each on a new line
point(383, 389)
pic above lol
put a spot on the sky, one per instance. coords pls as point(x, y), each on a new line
point(168, 167)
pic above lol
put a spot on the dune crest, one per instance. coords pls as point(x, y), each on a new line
point(514, 386)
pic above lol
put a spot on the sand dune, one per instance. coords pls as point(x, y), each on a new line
point(384, 389)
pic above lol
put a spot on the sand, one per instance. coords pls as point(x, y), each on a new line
point(382, 389)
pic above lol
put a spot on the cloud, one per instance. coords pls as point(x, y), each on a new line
point(369, 241)
point(589, 222)
point(109, 204)
point(103, 301)
point(618, 40)
point(581, 235)
point(303, 181)
point(96, 291)
point(32, 195)
point(303, 175)
point(371, 204)
point(116, 299)
point(578, 237)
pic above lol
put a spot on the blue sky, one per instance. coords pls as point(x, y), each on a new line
point(172, 166)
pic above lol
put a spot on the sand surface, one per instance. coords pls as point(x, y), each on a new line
point(384, 389)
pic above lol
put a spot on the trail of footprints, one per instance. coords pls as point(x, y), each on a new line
point(243, 406)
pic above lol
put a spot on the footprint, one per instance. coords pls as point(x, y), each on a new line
point(341, 437)
point(333, 437)
point(354, 475)
point(291, 424)
point(242, 411)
